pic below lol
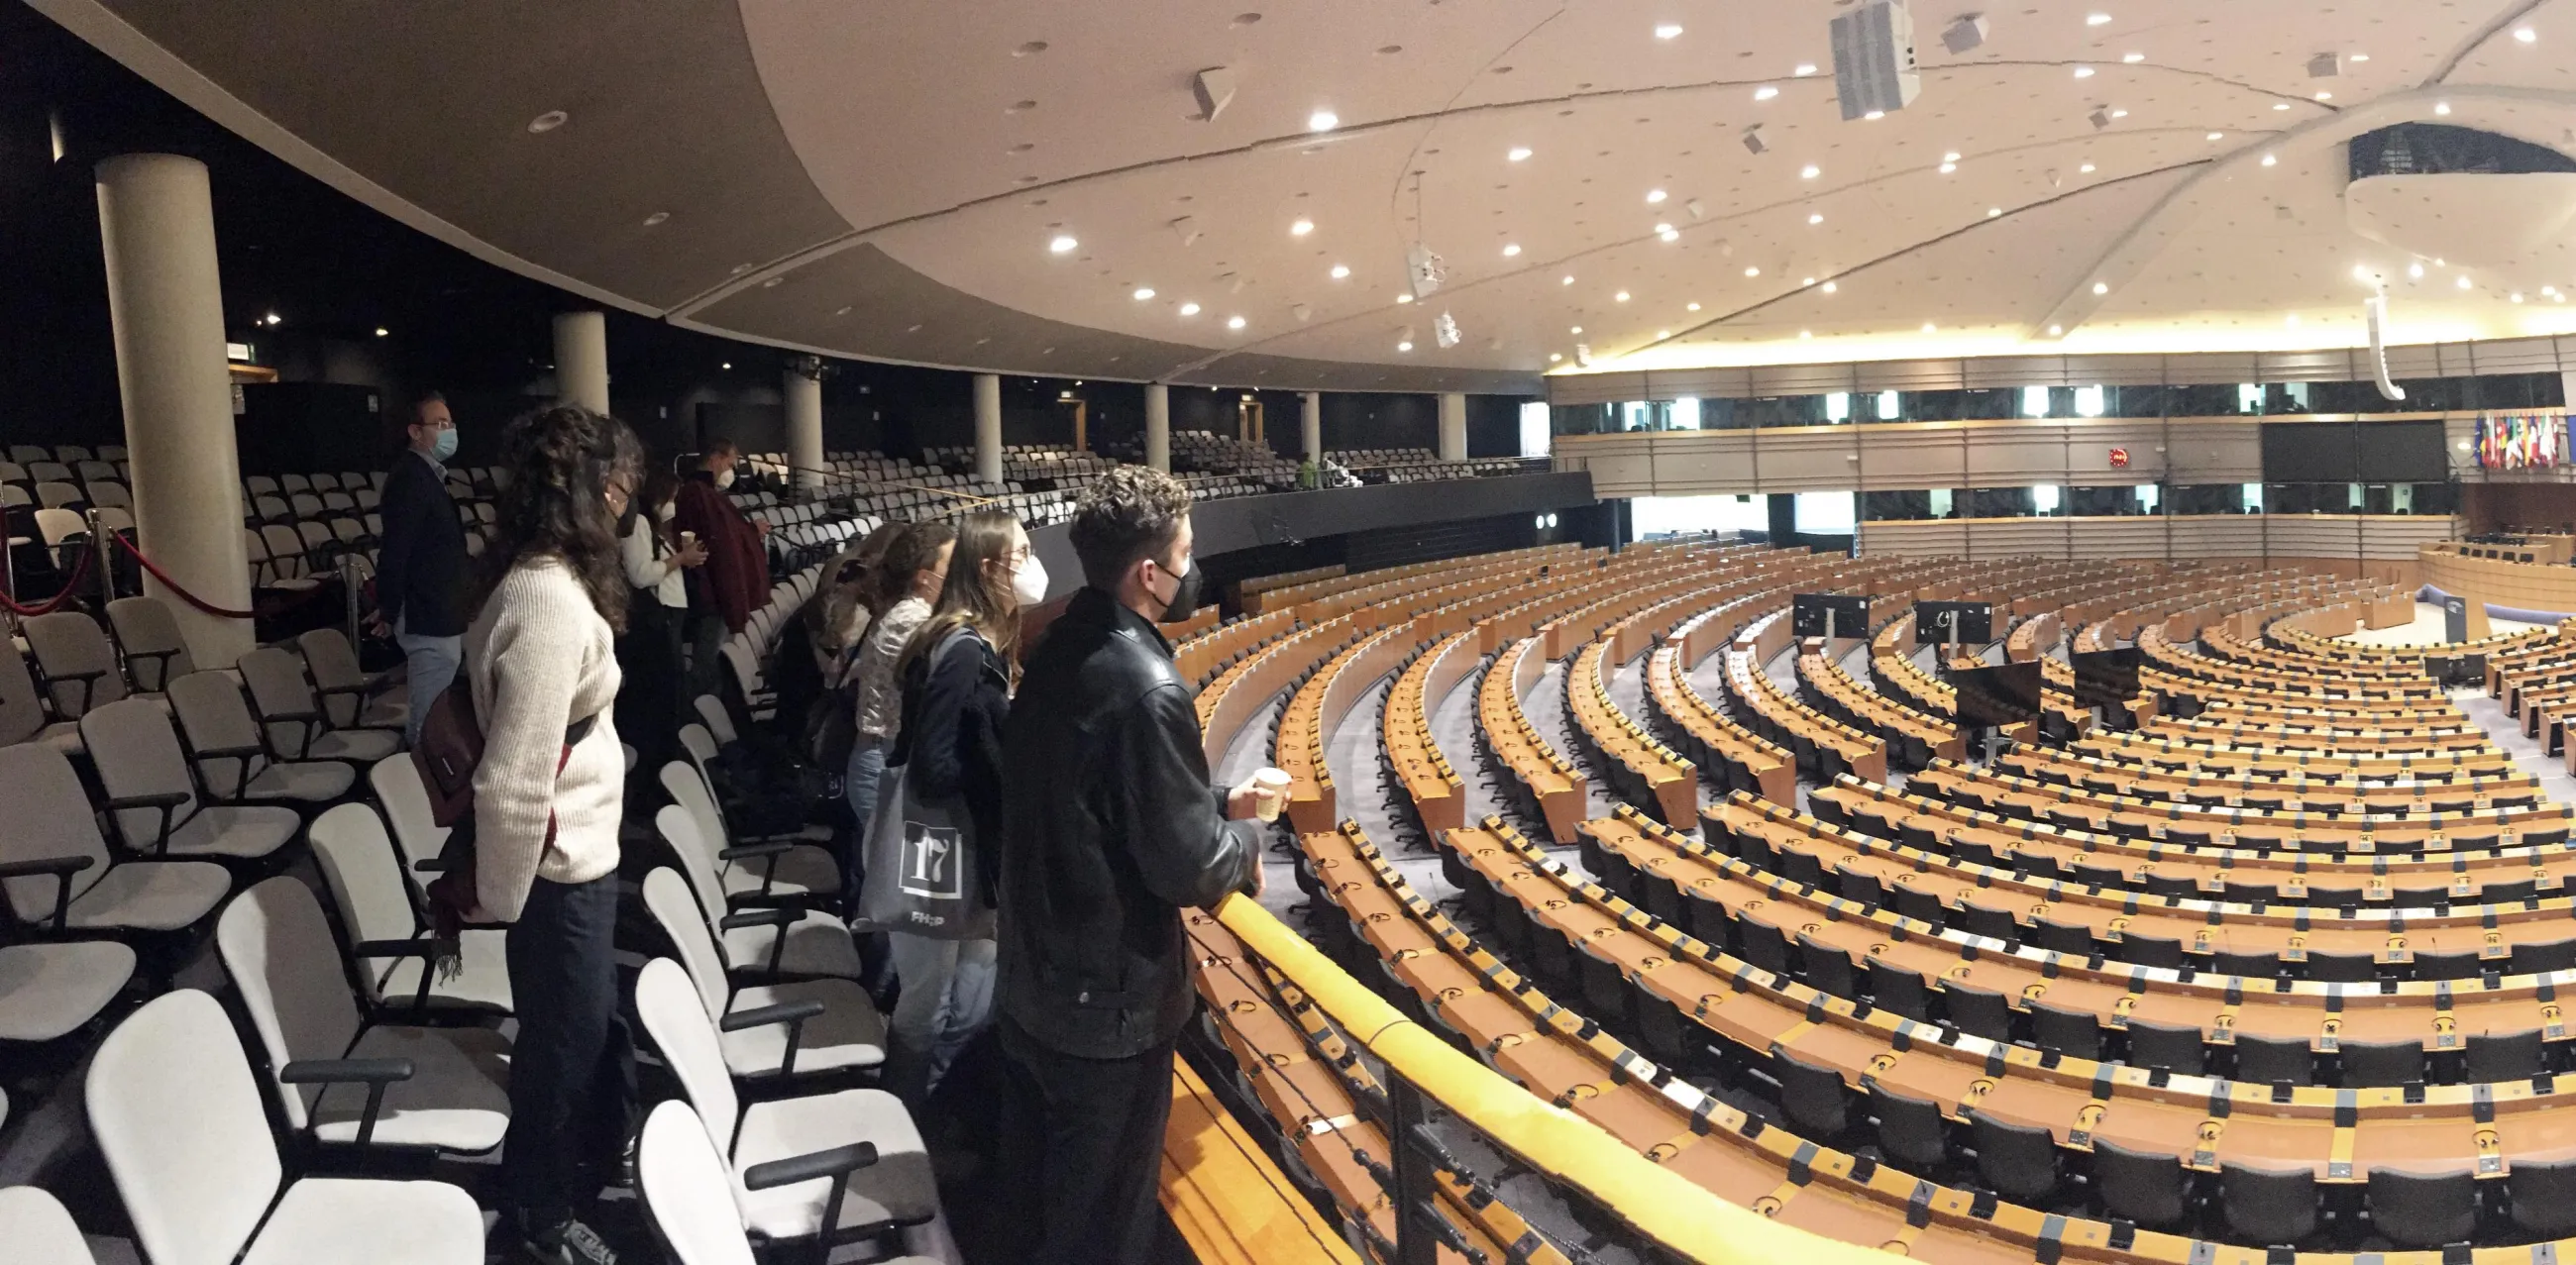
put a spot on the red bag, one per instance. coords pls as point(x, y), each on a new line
point(449, 750)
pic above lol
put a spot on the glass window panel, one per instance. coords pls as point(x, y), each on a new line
point(1838, 407)
point(1887, 406)
point(1825, 513)
point(2034, 401)
point(2088, 402)
point(1686, 414)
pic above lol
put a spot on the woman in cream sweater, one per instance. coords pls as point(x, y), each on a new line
point(548, 797)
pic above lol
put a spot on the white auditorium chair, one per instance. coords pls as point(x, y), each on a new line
point(154, 802)
point(294, 483)
point(323, 481)
point(298, 725)
point(793, 866)
point(350, 696)
point(268, 507)
point(78, 663)
point(49, 989)
point(178, 1117)
point(40, 1232)
point(337, 1078)
point(62, 530)
point(22, 454)
point(65, 879)
point(155, 650)
point(23, 714)
point(895, 1191)
point(701, 748)
point(364, 872)
point(405, 799)
point(288, 566)
point(771, 940)
point(108, 494)
point(788, 1029)
point(59, 494)
point(111, 452)
point(232, 763)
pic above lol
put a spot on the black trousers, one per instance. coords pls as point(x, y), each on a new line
point(648, 699)
point(707, 633)
point(572, 1068)
point(1087, 1136)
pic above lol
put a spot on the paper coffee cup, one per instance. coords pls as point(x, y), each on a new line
point(688, 538)
point(1270, 791)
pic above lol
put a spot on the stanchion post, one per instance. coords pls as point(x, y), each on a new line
point(106, 560)
point(349, 596)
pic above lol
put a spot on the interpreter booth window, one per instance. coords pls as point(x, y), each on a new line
point(2000, 503)
point(1581, 419)
point(1903, 506)
point(2112, 502)
point(1535, 439)
point(1826, 513)
point(2209, 498)
point(1650, 517)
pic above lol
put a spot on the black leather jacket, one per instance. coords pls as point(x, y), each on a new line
point(1111, 827)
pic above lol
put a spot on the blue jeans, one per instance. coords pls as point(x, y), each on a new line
point(947, 998)
point(432, 666)
point(859, 787)
point(572, 1068)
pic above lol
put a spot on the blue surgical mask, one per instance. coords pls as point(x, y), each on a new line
point(443, 447)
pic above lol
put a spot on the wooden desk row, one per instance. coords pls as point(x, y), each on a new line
point(1643, 770)
point(1434, 789)
point(2260, 762)
point(2225, 825)
point(1918, 738)
point(2333, 797)
point(1551, 782)
point(1743, 759)
point(1822, 743)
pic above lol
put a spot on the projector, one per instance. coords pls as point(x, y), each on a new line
point(1444, 331)
point(1425, 269)
point(1874, 59)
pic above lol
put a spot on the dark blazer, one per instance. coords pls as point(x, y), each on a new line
point(420, 556)
point(1110, 828)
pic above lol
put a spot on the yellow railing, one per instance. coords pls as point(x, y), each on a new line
point(1664, 1207)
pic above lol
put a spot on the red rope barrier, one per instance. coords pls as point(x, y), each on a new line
point(71, 586)
point(268, 612)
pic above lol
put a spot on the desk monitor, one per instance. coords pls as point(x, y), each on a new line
point(1997, 694)
point(1807, 615)
point(1975, 620)
point(2106, 678)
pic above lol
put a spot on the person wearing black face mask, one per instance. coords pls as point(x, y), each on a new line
point(1111, 828)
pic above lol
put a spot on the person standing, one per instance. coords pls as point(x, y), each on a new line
point(420, 560)
point(735, 580)
point(548, 798)
point(906, 581)
point(1110, 828)
point(648, 652)
point(957, 671)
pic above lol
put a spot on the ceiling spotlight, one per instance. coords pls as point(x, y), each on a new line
point(1621, 296)
point(1753, 139)
point(1340, 271)
point(1234, 322)
point(1765, 93)
point(1804, 69)
point(2083, 72)
point(1669, 234)
point(1404, 298)
point(1511, 249)
point(1993, 211)
point(2085, 170)
point(2133, 58)
point(1661, 229)
point(1874, 116)
point(2516, 296)
point(1806, 333)
point(2363, 274)
point(2055, 331)
point(1576, 330)
point(2271, 160)
point(381, 331)
point(2464, 281)
point(1697, 211)
point(1950, 157)
point(2097, 19)
point(1816, 218)
point(1554, 356)
point(1831, 287)
point(2217, 136)
point(1662, 334)
point(2415, 270)
point(1810, 172)
point(1654, 196)
point(1063, 244)
point(2292, 320)
point(2280, 105)
point(1964, 33)
point(1518, 153)
point(2119, 114)
point(2101, 287)
point(1668, 31)
point(1691, 307)
point(2325, 96)
point(1569, 278)
point(728, 366)
point(2550, 291)
point(1929, 327)
point(2441, 107)
point(274, 318)
point(1406, 345)
point(1752, 272)
point(549, 121)
point(1323, 121)
point(2525, 35)
point(1948, 167)
point(2358, 57)
point(1189, 309)
point(1806, 281)
point(1143, 293)
point(1301, 228)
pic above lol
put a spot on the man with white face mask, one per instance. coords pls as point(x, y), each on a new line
point(735, 580)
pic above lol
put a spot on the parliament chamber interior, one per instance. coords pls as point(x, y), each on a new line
point(1875, 629)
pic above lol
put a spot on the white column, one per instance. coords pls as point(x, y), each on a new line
point(156, 221)
point(581, 360)
point(1310, 428)
point(1453, 427)
point(804, 425)
point(988, 427)
point(1158, 426)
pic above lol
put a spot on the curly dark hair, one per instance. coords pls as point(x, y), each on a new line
point(560, 462)
point(1133, 513)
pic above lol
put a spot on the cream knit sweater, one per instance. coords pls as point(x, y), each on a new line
point(541, 658)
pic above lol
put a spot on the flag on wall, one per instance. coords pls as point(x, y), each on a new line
point(2522, 441)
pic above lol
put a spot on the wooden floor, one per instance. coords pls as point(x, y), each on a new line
point(1229, 1199)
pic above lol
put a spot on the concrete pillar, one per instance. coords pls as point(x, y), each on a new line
point(581, 360)
point(1158, 426)
point(988, 427)
point(804, 425)
point(1453, 427)
point(156, 221)
point(1310, 428)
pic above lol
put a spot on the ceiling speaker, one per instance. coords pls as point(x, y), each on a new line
point(1753, 139)
point(1214, 87)
point(1964, 33)
point(1874, 59)
point(2325, 65)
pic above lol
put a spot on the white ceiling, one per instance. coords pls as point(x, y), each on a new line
point(959, 139)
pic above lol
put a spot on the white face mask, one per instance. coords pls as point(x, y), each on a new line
point(724, 479)
point(1029, 583)
point(664, 511)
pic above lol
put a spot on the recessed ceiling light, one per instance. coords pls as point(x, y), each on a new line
point(1993, 211)
point(1553, 357)
point(1950, 157)
point(2525, 35)
point(2097, 19)
point(1189, 309)
point(2516, 296)
point(1752, 272)
point(1518, 153)
point(1323, 121)
point(1621, 296)
point(2085, 170)
point(1404, 298)
point(1575, 330)
point(2551, 291)
point(2363, 274)
point(1806, 333)
point(2280, 105)
point(549, 121)
point(1143, 293)
point(381, 331)
point(1810, 172)
point(1064, 244)
point(1663, 228)
point(1947, 168)
point(1668, 31)
point(1928, 327)
point(1830, 287)
point(1874, 116)
point(2056, 330)
point(1804, 69)
point(2133, 58)
point(2358, 57)
point(1340, 271)
point(2101, 287)
point(1406, 345)
point(1816, 217)
point(2325, 96)
point(1691, 307)
point(2217, 136)
point(1765, 93)
point(657, 219)
point(1234, 322)
point(1806, 281)
point(2441, 107)
point(2464, 281)
point(2119, 114)
point(2415, 270)
point(2292, 320)
point(1654, 196)
point(726, 365)
point(1669, 234)
point(2083, 72)
point(1511, 249)
point(1569, 278)
point(1301, 228)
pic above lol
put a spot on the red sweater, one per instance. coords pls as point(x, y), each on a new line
point(736, 577)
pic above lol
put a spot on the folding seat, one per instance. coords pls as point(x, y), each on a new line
point(39, 1231)
point(1826, 968)
point(2423, 1209)
point(1762, 945)
point(337, 1078)
point(1812, 1097)
point(1977, 1011)
point(896, 1191)
point(351, 699)
point(2061, 937)
point(2237, 893)
point(689, 1196)
point(2381, 1064)
point(2018, 1161)
point(2273, 1207)
point(2505, 1056)
point(80, 886)
point(154, 801)
point(2074, 1033)
point(2274, 1060)
point(1921, 906)
point(2175, 1049)
point(2256, 965)
point(288, 566)
point(1987, 921)
point(78, 664)
point(178, 1118)
point(2553, 955)
point(405, 800)
point(298, 726)
point(774, 940)
point(2505, 893)
point(2143, 1187)
point(790, 1029)
point(2542, 1195)
point(23, 717)
point(155, 651)
point(375, 903)
point(230, 759)
point(56, 494)
point(294, 483)
point(2340, 968)
point(2448, 965)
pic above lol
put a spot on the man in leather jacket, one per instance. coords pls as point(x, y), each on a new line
point(1111, 828)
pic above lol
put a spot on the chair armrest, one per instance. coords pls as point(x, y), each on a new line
point(837, 1162)
point(430, 949)
point(160, 660)
point(755, 851)
point(164, 802)
point(62, 868)
point(793, 1014)
point(244, 753)
point(88, 683)
point(309, 724)
point(432, 865)
point(767, 916)
point(375, 1074)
